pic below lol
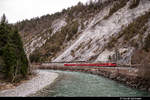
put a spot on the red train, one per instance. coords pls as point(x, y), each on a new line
point(95, 65)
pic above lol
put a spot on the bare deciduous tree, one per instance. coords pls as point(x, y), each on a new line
point(142, 58)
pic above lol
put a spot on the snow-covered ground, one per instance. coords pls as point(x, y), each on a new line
point(43, 79)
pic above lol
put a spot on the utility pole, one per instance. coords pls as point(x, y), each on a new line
point(130, 61)
point(116, 55)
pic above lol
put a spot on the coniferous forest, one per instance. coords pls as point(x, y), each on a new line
point(13, 60)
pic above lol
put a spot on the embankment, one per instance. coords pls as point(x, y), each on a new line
point(125, 75)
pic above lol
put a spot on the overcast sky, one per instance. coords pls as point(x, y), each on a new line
point(17, 10)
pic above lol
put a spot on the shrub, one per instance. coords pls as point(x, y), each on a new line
point(147, 43)
point(72, 53)
point(134, 4)
point(93, 58)
point(118, 5)
point(111, 43)
point(134, 44)
point(72, 29)
point(109, 58)
point(35, 57)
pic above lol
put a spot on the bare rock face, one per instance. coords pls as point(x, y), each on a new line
point(97, 36)
point(93, 41)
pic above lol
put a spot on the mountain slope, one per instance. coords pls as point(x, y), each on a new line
point(94, 40)
point(93, 32)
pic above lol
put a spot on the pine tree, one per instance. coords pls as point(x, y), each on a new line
point(3, 19)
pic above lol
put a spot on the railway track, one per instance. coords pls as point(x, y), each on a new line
point(67, 65)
